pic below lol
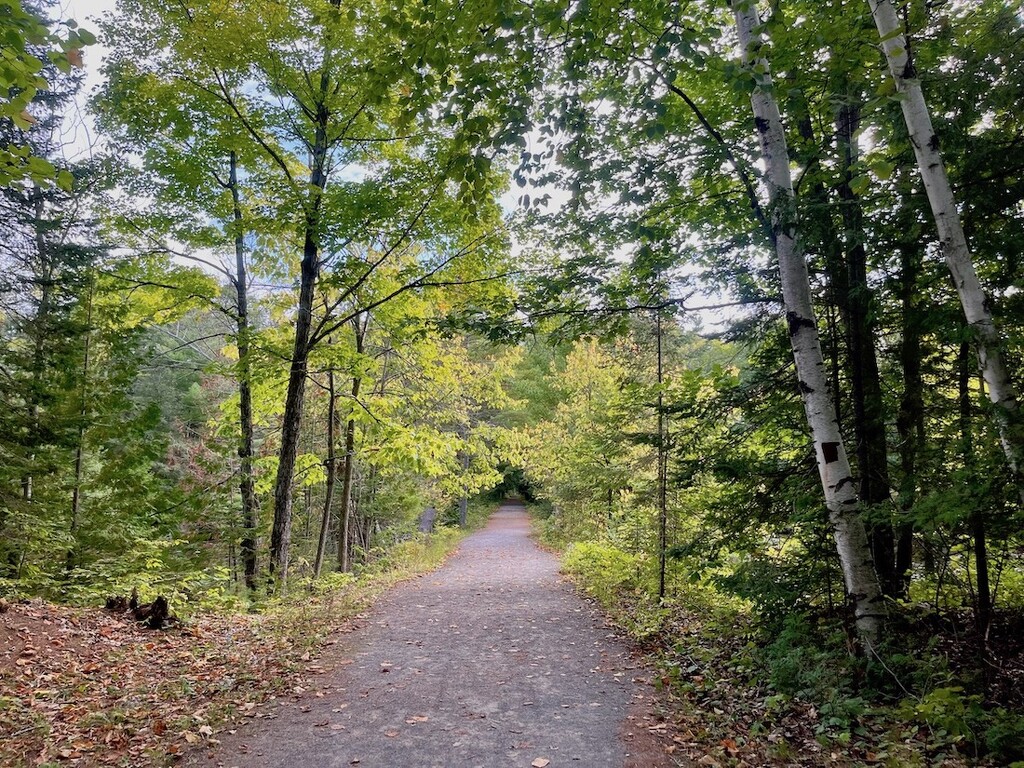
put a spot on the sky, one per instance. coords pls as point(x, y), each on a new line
point(81, 137)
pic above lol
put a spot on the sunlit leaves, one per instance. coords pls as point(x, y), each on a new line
point(27, 46)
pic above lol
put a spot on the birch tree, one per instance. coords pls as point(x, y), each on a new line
point(953, 242)
point(839, 487)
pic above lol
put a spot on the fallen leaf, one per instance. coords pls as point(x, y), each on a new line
point(540, 762)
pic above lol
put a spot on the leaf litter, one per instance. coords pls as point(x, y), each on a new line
point(85, 687)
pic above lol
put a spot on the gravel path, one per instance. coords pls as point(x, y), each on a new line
point(489, 661)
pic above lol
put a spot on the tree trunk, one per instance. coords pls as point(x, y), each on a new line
point(983, 606)
point(359, 326)
point(83, 411)
point(45, 279)
point(822, 228)
point(464, 498)
point(910, 419)
point(662, 465)
point(295, 398)
point(332, 472)
point(865, 380)
point(246, 482)
point(951, 235)
point(833, 466)
point(320, 116)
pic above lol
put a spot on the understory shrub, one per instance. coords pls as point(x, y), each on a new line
point(603, 571)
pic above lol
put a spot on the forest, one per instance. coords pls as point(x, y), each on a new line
point(729, 292)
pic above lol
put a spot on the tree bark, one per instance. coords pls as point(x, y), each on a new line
point(45, 278)
point(294, 400)
point(952, 241)
point(662, 465)
point(332, 472)
point(865, 380)
point(910, 418)
point(983, 606)
point(822, 228)
point(837, 483)
point(83, 411)
point(246, 482)
point(464, 498)
point(359, 325)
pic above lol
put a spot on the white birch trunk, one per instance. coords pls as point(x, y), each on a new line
point(951, 234)
point(833, 465)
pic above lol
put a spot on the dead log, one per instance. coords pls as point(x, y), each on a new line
point(122, 604)
point(156, 615)
point(116, 604)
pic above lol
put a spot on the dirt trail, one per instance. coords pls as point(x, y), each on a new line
point(489, 661)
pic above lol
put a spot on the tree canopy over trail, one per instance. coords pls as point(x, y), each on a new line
point(731, 292)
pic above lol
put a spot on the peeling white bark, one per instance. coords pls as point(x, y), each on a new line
point(833, 465)
point(951, 235)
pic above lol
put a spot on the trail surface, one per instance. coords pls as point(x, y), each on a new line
point(489, 661)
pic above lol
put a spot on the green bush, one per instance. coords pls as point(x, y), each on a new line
point(1004, 737)
point(813, 663)
point(330, 583)
point(952, 717)
point(603, 571)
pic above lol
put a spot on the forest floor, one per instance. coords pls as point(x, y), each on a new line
point(82, 686)
point(490, 660)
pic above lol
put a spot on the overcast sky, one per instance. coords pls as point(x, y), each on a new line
point(80, 132)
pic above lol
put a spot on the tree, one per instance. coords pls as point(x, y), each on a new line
point(48, 262)
point(34, 52)
point(837, 482)
point(203, 199)
point(297, 91)
point(924, 140)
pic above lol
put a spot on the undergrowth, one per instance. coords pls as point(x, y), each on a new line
point(752, 686)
